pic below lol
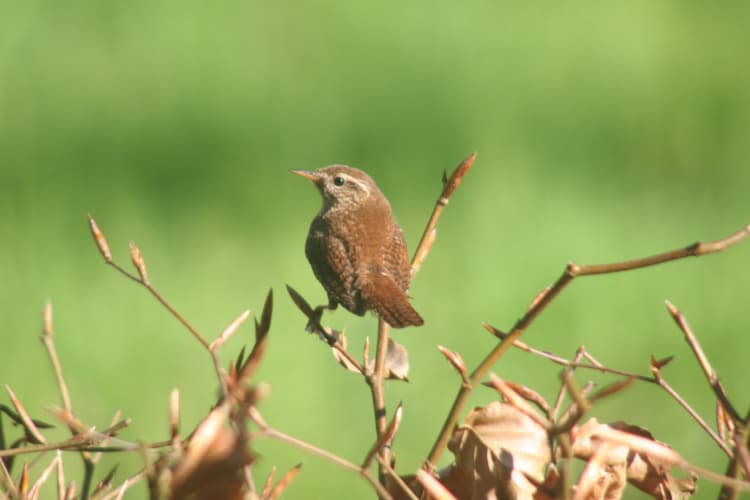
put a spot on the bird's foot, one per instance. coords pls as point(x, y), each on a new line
point(313, 324)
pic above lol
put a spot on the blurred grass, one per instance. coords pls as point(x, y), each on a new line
point(604, 132)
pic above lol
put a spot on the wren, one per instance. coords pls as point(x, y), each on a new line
point(356, 249)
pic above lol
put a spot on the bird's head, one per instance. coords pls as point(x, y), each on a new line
point(343, 187)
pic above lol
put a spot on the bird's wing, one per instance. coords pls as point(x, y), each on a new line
point(397, 260)
point(332, 266)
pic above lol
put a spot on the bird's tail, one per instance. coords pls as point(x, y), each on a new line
point(389, 301)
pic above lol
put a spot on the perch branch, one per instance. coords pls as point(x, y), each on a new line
point(377, 380)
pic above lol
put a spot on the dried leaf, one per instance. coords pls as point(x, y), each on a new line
point(213, 464)
point(396, 361)
point(261, 340)
point(341, 358)
point(497, 450)
point(649, 473)
point(262, 328)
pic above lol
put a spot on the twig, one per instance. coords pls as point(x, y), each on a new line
point(119, 492)
point(428, 236)
point(142, 279)
point(28, 423)
point(571, 272)
point(561, 392)
point(376, 381)
point(385, 439)
point(332, 339)
point(7, 480)
point(49, 343)
point(269, 432)
point(656, 379)
point(713, 378)
point(397, 479)
point(34, 492)
point(435, 488)
point(681, 401)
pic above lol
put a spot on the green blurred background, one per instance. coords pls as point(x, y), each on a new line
point(604, 132)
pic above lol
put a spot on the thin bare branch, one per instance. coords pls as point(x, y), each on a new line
point(572, 271)
point(376, 382)
point(434, 487)
point(49, 344)
point(28, 422)
point(269, 432)
point(711, 375)
point(398, 480)
point(681, 401)
point(428, 236)
point(7, 481)
point(384, 439)
point(517, 401)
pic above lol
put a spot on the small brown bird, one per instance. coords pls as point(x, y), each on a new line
point(356, 249)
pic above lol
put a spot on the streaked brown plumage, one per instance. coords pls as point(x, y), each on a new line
point(356, 249)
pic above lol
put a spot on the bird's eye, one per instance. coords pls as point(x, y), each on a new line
point(339, 181)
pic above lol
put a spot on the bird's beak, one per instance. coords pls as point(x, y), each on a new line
point(308, 174)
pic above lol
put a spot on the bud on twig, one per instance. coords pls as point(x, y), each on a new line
point(174, 415)
point(99, 239)
point(450, 184)
point(455, 359)
point(47, 316)
point(229, 330)
point(138, 262)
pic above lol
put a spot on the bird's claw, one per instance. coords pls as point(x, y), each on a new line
point(313, 324)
